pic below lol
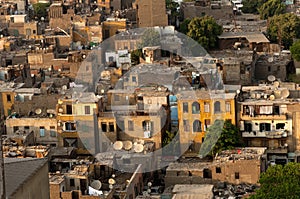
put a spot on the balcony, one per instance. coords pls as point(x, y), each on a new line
point(264, 117)
point(266, 134)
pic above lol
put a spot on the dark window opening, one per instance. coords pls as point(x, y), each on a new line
point(280, 125)
point(111, 127)
point(264, 127)
point(8, 98)
point(69, 109)
point(130, 126)
point(186, 125)
point(197, 126)
point(104, 127)
point(207, 173)
point(217, 107)
point(87, 110)
point(72, 182)
point(237, 175)
point(70, 126)
point(185, 107)
point(195, 108)
point(248, 127)
point(218, 170)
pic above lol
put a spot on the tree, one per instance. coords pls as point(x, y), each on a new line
point(205, 31)
point(295, 50)
point(40, 10)
point(251, 6)
point(135, 56)
point(172, 7)
point(271, 8)
point(284, 29)
point(279, 182)
point(183, 28)
point(149, 38)
point(220, 136)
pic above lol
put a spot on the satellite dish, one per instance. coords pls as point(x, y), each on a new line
point(38, 111)
point(118, 145)
point(271, 78)
point(127, 145)
point(270, 59)
point(276, 84)
point(272, 97)
point(60, 110)
point(277, 94)
point(64, 87)
point(253, 95)
point(138, 148)
point(111, 181)
point(258, 96)
point(285, 93)
point(96, 184)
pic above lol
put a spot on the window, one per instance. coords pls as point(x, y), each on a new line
point(133, 78)
point(8, 98)
point(70, 126)
point(111, 127)
point(52, 131)
point(195, 108)
point(269, 68)
point(120, 125)
point(26, 128)
point(69, 109)
point(117, 98)
point(130, 126)
point(264, 127)
point(206, 107)
point(228, 107)
point(207, 173)
point(217, 107)
point(42, 131)
point(280, 125)
point(33, 31)
point(104, 127)
point(186, 125)
point(72, 182)
point(16, 128)
point(197, 126)
point(207, 123)
point(237, 175)
point(248, 127)
point(185, 107)
point(218, 170)
point(87, 110)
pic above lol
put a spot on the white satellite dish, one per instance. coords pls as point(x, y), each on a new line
point(111, 181)
point(253, 95)
point(138, 148)
point(64, 87)
point(258, 96)
point(60, 110)
point(271, 78)
point(276, 84)
point(38, 111)
point(127, 145)
point(96, 184)
point(285, 93)
point(270, 59)
point(272, 97)
point(118, 145)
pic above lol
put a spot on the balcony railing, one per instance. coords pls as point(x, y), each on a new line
point(264, 117)
point(266, 134)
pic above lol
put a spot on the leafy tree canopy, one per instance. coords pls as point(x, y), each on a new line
point(150, 38)
point(279, 182)
point(40, 10)
point(295, 50)
point(283, 29)
point(183, 28)
point(271, 8)
point(220, 136)
point(251, 6)
point(205, 31)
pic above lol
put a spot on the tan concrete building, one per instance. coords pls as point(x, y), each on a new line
point(151, 13)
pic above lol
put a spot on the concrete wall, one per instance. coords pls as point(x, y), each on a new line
point(36, 187)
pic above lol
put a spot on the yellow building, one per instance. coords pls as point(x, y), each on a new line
point(75, 121)
point(197, 110)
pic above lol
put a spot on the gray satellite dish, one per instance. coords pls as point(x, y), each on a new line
point(271, 78)
point(118, 145)
point(111, 181)
point(96, 184)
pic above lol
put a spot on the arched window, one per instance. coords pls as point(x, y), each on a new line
point(197, 126)
point(195, 108)
point(217, 107)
